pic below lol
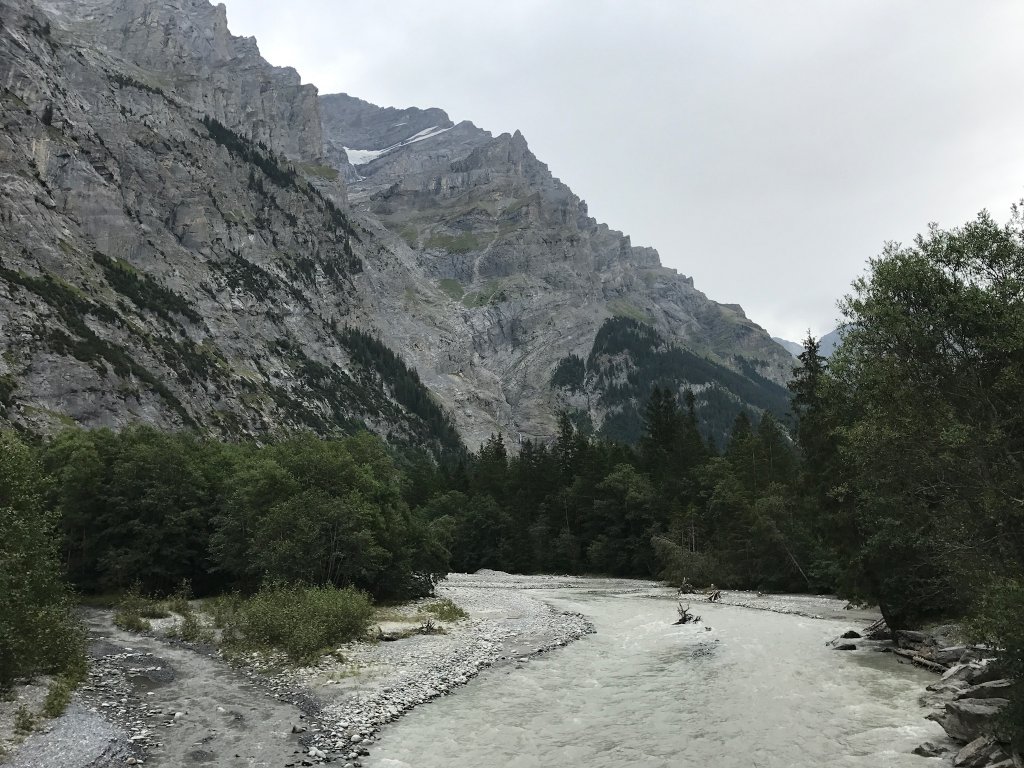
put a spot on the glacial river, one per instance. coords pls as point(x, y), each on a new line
point(759, 689)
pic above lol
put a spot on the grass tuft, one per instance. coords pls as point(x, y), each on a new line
point(24, 721)
point(131, 608)
point(445, 610)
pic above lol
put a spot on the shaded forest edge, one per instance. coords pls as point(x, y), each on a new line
point(901, 484)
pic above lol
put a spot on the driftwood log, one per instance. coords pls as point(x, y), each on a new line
point(919, 660)
point(685, 617)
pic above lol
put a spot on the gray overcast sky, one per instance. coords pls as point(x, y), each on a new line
point(766, 148)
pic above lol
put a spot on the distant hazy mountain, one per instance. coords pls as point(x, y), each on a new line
point(790, 346)
point(826, 344)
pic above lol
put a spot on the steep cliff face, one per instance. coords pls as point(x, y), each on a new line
point(158, 266)
point(180, 246)
point(526, 276)
point(184, 47)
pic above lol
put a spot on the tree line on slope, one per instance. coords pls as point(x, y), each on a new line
point(629, 358)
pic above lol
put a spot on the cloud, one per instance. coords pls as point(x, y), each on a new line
point(767, 149)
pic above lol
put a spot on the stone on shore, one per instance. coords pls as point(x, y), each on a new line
point(928, 749)
point(965, 720)
point(993, 689)
point(981, 752)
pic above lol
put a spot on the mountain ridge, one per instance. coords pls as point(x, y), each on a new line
point(146, 133)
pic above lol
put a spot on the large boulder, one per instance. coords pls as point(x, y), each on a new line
point(908, 638)
point(983, 751)
point(951, 655)
point(974, 673)
point(948, 687)
point(929, 749)
point(993, 689)
point(964, 720)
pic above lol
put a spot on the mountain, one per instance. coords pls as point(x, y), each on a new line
point(155, 264)
point(790, 346)
point(629, 356)
point(193, 238)
point(826, 344)
point(507, 271)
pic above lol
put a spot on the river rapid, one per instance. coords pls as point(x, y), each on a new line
point(758, 689)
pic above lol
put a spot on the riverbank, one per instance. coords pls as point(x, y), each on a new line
point(157, 701)
point(738, 688)
point(152, 699)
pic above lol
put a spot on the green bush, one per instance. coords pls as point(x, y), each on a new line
point(192, 630)
point(997, 621)
point(132, 609)
point(223, 608)
point(61, 688)
point(24, 721)
point(682, 568)
point(179, 601)
point(38, 631)
point(300, 621)
point(446, 610)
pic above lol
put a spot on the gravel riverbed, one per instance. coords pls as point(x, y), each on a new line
point(154, 701)
point(506, 625)
point(157, 702)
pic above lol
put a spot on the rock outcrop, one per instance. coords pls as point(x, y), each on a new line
point(506, 271)
point(184, 48)
point(180, 247)
point(158, 266)
point(965, 720)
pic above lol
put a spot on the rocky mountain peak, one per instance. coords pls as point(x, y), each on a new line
point(505, 274)
point(185, 47)
point(174, 251)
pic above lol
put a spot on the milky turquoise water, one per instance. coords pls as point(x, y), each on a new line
point(760, 689)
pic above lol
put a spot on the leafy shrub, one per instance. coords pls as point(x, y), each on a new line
point(301, 621)
point(24, 721)
point(446, 610)
point(223, 608)
point(131, 608)
point(682, 568)
point(997, 621)
point(179, 601)
point(61, 688)
point(38, 632)
point(192, 629)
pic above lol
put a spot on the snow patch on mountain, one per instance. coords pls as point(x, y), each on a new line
point(364, 156)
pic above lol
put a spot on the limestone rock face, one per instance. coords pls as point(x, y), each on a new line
point(192, 237)
point(505, 272)
point(156, 266)
point(184, 47)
